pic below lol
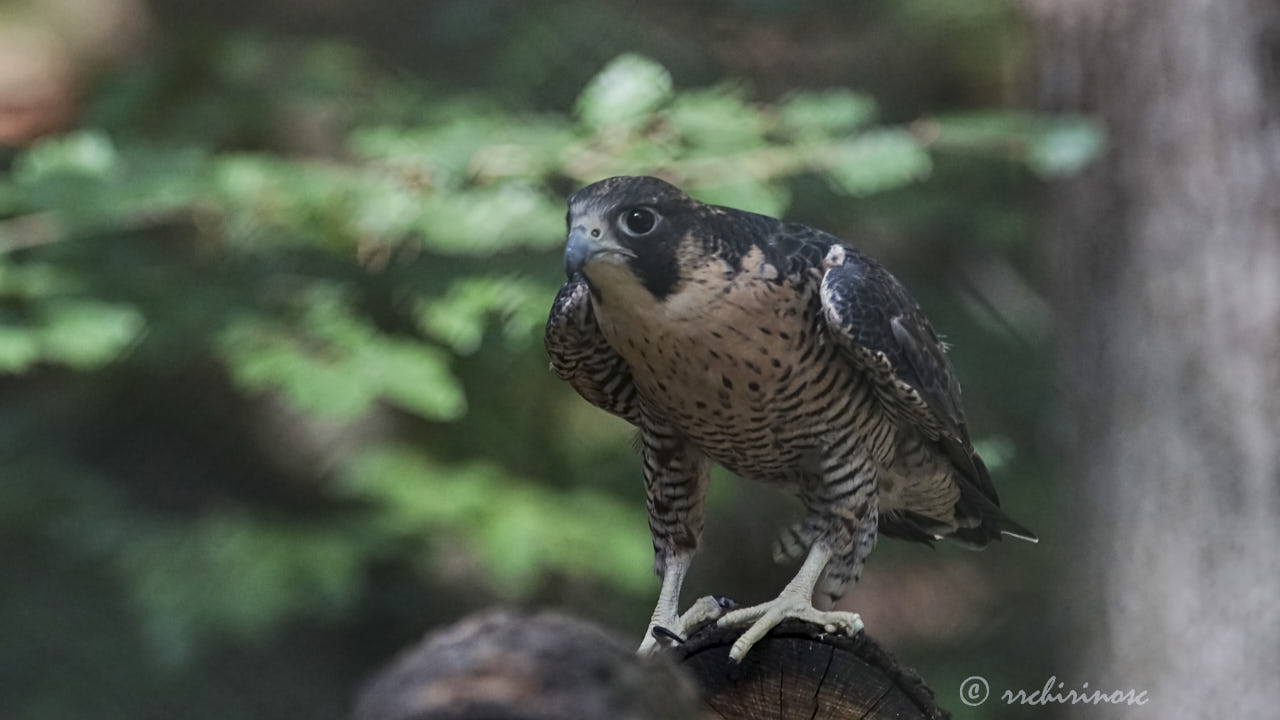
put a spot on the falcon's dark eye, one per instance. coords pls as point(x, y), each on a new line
point(639, 221)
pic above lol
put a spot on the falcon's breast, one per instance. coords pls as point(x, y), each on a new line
point(738, 361)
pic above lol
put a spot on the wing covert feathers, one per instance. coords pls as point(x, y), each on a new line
point(885, 333)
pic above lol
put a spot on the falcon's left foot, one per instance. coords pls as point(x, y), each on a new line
point(795, 601)
point(766, 616)
point(677, 630)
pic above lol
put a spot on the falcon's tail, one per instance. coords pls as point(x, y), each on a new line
point(1007, 526)
point(989, 524)
point(978, 511)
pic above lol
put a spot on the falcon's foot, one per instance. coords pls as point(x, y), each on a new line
point(766, 616)
point(665, 631)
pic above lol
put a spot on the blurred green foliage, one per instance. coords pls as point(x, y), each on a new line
point(270, 342)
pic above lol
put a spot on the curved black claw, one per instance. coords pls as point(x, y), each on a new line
point(662, 634)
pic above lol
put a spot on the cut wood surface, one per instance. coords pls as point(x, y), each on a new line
point(799, 671)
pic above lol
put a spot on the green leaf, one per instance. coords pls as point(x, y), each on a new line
point(315, 378)
point(19, 348)
point(333, 364)
point(810, 115)
point(455, 151)
point(628, 88)
point(268, 200)
point(459, 318)
point(88, 153)
point(1052, 146)
point(416, 377)
point(716, 120)
point(415, 494)
point(87, 333)
point(1065, 147)
point(441, 152)
point(35, 280)
point(877, 161)
point(488, 219)
point(521, 530)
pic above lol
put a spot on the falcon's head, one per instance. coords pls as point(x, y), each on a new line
point(632, 233)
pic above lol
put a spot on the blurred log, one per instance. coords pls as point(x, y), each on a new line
point(514, 665)
point(799, 671)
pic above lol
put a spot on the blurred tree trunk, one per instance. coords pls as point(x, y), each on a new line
point(1168, 260)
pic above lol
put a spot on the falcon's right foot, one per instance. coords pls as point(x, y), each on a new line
point(762, 618)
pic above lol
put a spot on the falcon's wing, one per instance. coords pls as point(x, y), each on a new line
point(580, 355)
point(884, 332)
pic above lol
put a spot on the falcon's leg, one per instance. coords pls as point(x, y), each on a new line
point(667, 613)
point(795, 601)
point(676, 476)
point(854, 532)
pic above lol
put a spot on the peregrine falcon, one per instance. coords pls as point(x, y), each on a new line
point(784, 355)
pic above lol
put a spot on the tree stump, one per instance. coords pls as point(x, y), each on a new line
point(799, 671)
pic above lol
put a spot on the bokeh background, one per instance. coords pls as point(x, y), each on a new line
point(273, 401)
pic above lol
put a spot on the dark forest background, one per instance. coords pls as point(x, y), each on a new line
point(273, 401)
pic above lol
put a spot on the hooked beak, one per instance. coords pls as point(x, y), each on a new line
point(583, 245)
point(579, 247)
